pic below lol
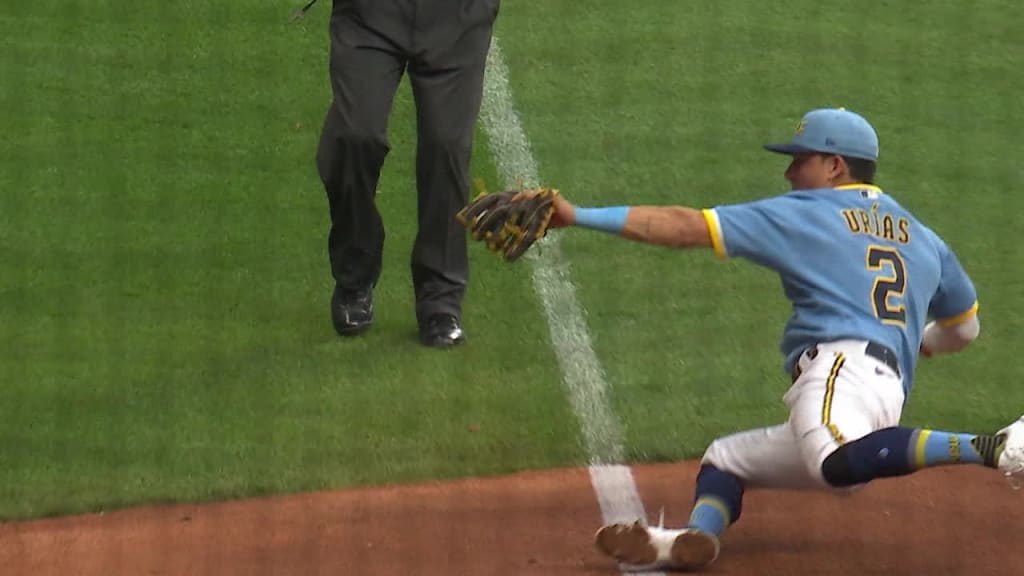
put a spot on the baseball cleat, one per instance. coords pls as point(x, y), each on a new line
point(694, 549)
point(640, 547)
point(1011, 457)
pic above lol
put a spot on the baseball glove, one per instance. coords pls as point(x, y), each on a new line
point(511, 221)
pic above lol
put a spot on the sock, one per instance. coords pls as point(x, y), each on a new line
point(710, 515)
point(718, 502)
point(936, 448)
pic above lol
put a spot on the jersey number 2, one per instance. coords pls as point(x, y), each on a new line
point(890, 283)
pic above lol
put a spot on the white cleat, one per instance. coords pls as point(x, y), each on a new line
point(1011, 459)
point(642, 548)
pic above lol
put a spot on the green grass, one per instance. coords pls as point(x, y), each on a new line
point(163, 307)
point(164, 286)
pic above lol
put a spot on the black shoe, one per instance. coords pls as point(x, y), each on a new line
point(351, 310)
point(441, 331)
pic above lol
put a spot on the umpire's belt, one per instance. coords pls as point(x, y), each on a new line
point(879, 352)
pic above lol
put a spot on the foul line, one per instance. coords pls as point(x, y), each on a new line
point(581, 371)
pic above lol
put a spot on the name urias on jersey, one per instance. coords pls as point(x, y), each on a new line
point(883, 226)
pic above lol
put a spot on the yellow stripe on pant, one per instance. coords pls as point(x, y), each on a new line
point(830, 390)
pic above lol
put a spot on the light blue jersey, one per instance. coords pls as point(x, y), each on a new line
point(854, 263)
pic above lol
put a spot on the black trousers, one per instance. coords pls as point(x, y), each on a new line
point(443, 45)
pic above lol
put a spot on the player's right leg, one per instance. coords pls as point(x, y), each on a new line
point(845, 410)
point(901, 451)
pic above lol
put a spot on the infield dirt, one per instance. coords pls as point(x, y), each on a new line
point(962, 520)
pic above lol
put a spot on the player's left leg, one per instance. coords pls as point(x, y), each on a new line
point(761, 458)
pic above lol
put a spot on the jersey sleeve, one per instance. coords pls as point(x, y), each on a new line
point(956, 300)
point(763, 231)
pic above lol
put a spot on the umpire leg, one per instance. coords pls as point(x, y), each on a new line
point(447, 81)
point(365, 71)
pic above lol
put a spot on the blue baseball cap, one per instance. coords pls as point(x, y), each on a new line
point(832, 131)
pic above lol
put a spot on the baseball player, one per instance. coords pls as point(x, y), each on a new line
point(871, 288)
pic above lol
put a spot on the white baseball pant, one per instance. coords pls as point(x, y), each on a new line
point(840, 395)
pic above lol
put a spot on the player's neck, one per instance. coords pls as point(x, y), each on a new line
point(843, 181)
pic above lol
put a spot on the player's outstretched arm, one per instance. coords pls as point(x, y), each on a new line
point(671, 226)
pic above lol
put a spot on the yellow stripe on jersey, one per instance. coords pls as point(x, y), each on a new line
point(962, 317)
point(830, 390)
point(858, 187)
point(715, 229)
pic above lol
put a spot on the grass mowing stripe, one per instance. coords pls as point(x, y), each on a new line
point(581, 370)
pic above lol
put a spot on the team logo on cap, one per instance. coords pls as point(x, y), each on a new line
point(800, 127)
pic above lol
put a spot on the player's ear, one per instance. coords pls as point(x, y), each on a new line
point(838, 166)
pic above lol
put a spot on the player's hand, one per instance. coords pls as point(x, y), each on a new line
point(565, 213)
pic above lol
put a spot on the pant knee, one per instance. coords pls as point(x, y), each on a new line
point(457, 147)
point(362, 145)
point(836, 470)
point(838, 475)
point(715, 456)
point(827, 464)
point(350, 152)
